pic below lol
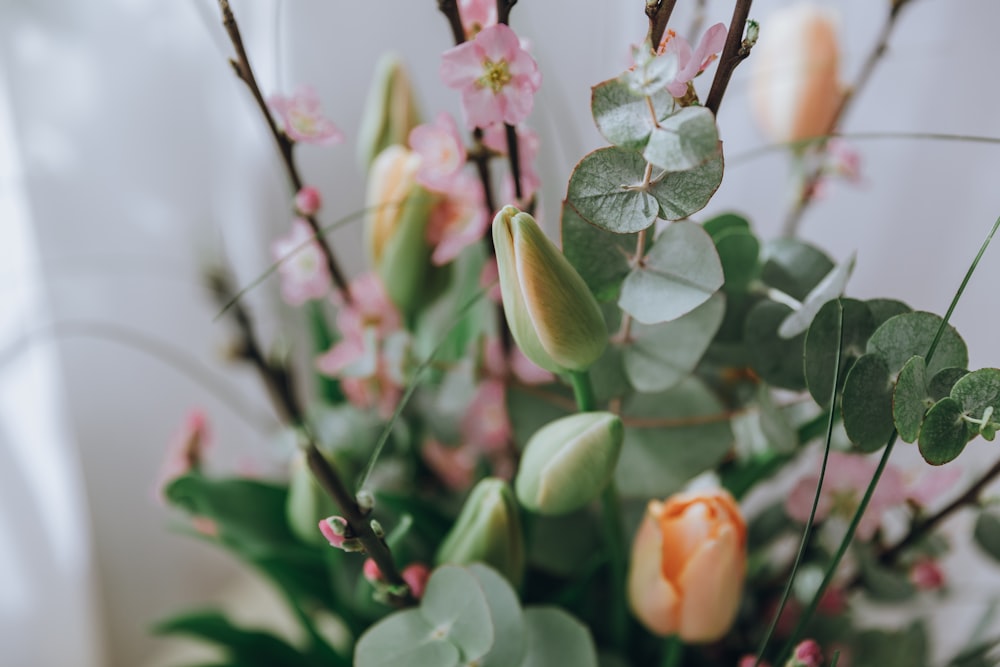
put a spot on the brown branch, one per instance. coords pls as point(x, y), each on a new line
point(503, 10)
point(658, 12)
point(286, 147)
point(450, 10)
point(734, 52)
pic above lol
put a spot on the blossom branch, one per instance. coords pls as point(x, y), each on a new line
point(878, 51)
point(736, 51)
point(286, 146)
point(503, 10)
point(281, 388)
point(450, 10)
point(658, 12)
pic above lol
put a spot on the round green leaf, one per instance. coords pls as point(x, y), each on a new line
point(831, 287)
point(454, 604)
point(867, 403)
point(684, 434)
point(944, 433)
point(679, 273)
point(683, 141)
point(681, 194)
point(977, 391)
point(909, 334)
point(664, 354)
point(883, 309)
point(599, 191)
point(404, 639)
point(602, 258)
point(556, 638)
point(506, 616)
point(776, 360)
point(910, 399)
point(622, 116)
point(793, 266)
point(987, 534)
point(726, 222)
point(944, 380)
point(738, 251)
point(821, 344)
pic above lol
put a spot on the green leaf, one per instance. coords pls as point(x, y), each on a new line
point(902, 648)
point(556, 638)
point(505, 615)
point(987, 534)
point(664, 354)
point(831, 287)
point(679, 273)
point(867, 403)
point(777, 361)
point(602, 191)
point(405, 639)
point(681, 194)
point(944, 433)
point(910, 399)
point(685, 140)
point(881, 583)
point(601, 258)
point(251, 648)
point(454, 604)
point(909, 334)
point(623, 117)
point(738, 251)
point(820, 348)
point(883, 309)
point(793, 267)
point(941, 384)
point(977, 393)
point(658, 458)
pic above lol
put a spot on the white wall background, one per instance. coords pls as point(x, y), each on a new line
point(131, 155)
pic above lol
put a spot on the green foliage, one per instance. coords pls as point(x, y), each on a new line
point(903, 648)
point(793, 267)
point(910, 399)
point(601, 258)
point(867, 403)
point(684, 140)
point(909, 334)
point(679, 273)
point(556, 638)
point(820, 347)
point(831, 287)
point(987, 534)
point(944, 433)
point(604, 190)
point(623, 117)
point(776, 360)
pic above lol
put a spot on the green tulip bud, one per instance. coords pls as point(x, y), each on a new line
point(488, 530)
point(553, 315)
point(568, 462)
point(396, 226)
point(306, 503)
point(390, 111)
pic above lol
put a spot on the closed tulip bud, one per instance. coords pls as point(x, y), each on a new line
point(396, 225)
point(307, 504)
point(568, 462)
point(550, 311)
point(688, 565)
point(795, 87)
point(390, 112)
point(488, 530)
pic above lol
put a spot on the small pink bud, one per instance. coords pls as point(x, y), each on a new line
point(751, 661)
point(416, 576)
point(308, 200)
point(806, 654)
point(371, 571)
point(334, 529)
point(833, 602)
point(927, 575)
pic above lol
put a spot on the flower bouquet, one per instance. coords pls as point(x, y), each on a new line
point(663, 440)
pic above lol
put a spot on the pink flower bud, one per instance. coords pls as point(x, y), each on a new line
point(308, 200)
point(751, 661)
point(416, 576)
point(927, 575)
point(795, 87)
point(334, 529)
point(688, 565)
point(371, 571)
point(806, 654)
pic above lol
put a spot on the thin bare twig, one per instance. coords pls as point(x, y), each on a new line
point(658, 12)
point(734, 52)
point(450, 10)
point(503, 10)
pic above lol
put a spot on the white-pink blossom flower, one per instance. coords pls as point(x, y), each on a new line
point(308, 200)
point(458, 220)
point(691, 63)
point(454, 466)
point(302, 120)
point(847, 478)
point(486, 423)
point(441, 150)
point(496, 76)
point(476, 15)
point(304, 274)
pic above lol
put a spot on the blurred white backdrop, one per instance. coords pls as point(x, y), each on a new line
point(130, 156)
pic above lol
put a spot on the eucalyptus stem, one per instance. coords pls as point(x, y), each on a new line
point(673, 651)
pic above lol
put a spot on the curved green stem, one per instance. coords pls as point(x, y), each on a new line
point(583, 391)
point(673, 652)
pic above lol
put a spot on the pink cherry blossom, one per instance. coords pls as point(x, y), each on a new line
point(334, 529)
point(496, 76)
point(441, 150)
point(926, 574)
point(301, 119)
point(807, 654)
point(304, 274)
point(308, 200)
point(847, 478)
point(495, 138)
point(691, 63)
point(476, 15)
point(459, 219)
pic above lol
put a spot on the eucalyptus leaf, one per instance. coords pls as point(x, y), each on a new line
point(867, 403)
point(623, 117)
point(821, 342)
point(979, 393)
point(683, 141)
point(793, 267)
point(903, 336)
point(883, 309)
point(987, 534)
point(608, 376)
point(831, 287)
point(724, 223)
point(738, 251)
point(777, 361)
point(506, 617)
point(405, 639)
point(651, 72)
point(454, 604)
point(944, 433)
point(662, 355)
point(911, 399)
point(681, 194)
point(944, 380)
point(604, 191)
point(679, 273)
point(556, 638)
point(602, 258)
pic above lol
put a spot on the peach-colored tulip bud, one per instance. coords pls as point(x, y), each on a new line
point(795, 87)
point(688, 565)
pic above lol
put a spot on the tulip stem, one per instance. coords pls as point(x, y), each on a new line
point(673, 651)
point(614, 535)
point(583, 391)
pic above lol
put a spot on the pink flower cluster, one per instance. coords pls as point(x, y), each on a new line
point(303, 270)
point(691, 62)
point(301, 119)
